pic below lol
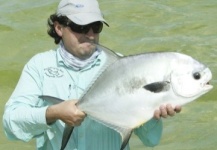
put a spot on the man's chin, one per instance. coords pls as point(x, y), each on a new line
point(86, 53)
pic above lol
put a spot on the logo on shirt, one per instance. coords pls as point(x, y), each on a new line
point(53, 72)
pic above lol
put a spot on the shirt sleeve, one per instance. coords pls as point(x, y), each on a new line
point(24, 116)
point(150, 133)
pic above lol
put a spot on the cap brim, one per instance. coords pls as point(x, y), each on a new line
point(86, 18)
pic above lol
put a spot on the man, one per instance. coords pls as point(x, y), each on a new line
point(65, 73)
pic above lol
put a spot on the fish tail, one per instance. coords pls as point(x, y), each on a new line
point(66, 136)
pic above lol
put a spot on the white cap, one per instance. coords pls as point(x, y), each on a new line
point(81, 12)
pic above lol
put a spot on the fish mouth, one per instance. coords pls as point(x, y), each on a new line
point(207, 86)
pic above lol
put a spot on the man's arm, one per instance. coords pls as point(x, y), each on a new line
point(24, 115)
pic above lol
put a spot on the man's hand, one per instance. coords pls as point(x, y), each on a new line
point(165, 111)
point(66, 111)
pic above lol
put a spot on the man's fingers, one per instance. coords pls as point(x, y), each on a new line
point(170, 110)
point(163, 111)
point(157, 114)
point(178, 109)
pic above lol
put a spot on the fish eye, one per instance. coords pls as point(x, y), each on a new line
point(197, 75)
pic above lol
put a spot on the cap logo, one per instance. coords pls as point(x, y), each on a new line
point(79, 5)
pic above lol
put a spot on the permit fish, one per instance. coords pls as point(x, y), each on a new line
point(128, 89)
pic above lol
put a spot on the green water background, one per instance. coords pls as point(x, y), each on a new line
point(187, 26)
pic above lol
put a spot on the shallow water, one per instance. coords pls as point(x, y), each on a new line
point(187, 26)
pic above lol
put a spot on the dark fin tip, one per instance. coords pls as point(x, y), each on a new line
point(66, 136)
point(126, 140)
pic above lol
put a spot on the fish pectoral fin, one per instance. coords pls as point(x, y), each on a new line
point(158, 87)
point(66, 136)
point(50, 99)
point(126, 134)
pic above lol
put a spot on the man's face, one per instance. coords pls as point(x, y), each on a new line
point(81, 45)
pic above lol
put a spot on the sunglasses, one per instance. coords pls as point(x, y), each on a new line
point(95, 26)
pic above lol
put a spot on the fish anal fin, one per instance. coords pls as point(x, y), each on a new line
point(158, 87)
point(125, 132)
point(66, 136)
point(125, 138)
point(125, 135)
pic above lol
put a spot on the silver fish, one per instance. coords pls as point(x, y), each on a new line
point(127, 91)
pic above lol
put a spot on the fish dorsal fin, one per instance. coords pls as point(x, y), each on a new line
point(111, 57)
